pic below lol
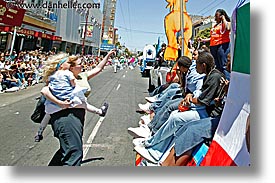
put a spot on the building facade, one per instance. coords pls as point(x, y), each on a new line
point(71, 27)
point(202, 23)
point(108, 30)
point(37, 30)
point(57, 26)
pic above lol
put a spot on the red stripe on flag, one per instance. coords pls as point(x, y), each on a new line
point(217, 156)
point(191, 163)
point(138, 159)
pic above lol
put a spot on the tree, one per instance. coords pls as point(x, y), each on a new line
point(202, 34)
point(140, 53)
point(128, 52)
point(118, 45)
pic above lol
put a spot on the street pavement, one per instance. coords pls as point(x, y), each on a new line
point(106, 141)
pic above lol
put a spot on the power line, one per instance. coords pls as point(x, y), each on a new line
point(123, 16)
point(213, 7)
point(207, 6)
point(128, 2)
point(141, 31)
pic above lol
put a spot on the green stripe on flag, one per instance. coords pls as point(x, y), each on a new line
point(241, 61)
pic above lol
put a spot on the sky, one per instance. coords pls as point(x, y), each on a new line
point(141, 22)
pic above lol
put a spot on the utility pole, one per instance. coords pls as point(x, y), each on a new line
point(182, 26)
point(85, 32)
point(13, 39)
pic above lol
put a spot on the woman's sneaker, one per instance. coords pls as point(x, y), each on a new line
point(104, 109)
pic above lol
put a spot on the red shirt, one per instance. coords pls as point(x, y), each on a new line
point(219, 35)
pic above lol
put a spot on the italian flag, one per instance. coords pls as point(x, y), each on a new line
point(230, 143)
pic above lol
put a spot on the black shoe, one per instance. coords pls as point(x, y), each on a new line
point(38, 138)
point(140, 111)
point(104, 109)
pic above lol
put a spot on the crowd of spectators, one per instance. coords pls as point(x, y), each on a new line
point(20, 70)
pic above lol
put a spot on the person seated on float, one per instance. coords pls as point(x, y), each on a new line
point(199, 108)
point(194, 83)
point(193, 134)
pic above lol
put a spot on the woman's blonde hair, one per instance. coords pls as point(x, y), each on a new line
point(51, 64)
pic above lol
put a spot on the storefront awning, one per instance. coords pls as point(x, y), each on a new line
point(29, 32)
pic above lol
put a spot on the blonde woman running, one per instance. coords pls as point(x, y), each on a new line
point(62, 84)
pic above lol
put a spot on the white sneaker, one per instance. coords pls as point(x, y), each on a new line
point(145, 120)
point(144, 107)
point(145, 154)
point(142, 131)
point(138, 142)
point(13, 89)
point(151, 99)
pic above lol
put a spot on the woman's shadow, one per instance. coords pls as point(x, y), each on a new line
point(56, 160)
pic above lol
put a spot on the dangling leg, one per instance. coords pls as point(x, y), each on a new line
point(39, 136)
point(173, 160)
point(90, 108)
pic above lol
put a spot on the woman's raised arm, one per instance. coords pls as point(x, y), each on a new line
point(101, 65)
